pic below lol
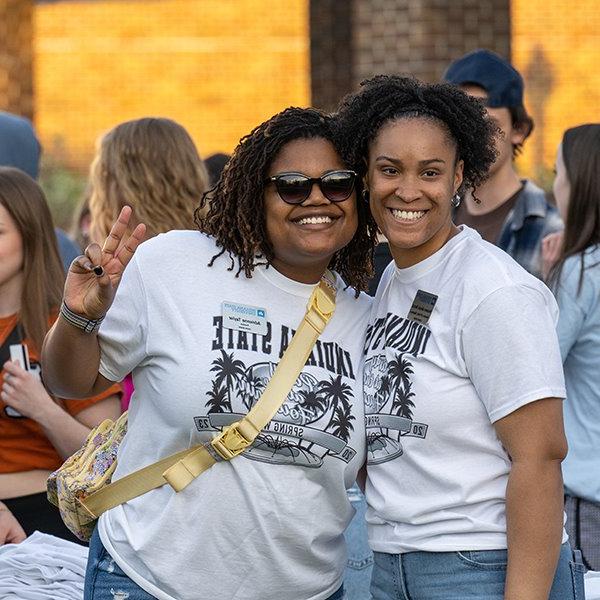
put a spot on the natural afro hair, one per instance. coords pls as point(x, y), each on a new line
point(236, 214)
point(387, 98)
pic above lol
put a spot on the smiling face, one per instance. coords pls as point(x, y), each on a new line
point(305, 236)
point(413, 174)
point(11, 255)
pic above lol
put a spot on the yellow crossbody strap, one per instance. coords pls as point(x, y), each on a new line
point(180, 469)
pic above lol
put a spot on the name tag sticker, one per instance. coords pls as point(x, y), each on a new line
point(244, 318)
point(422, 307)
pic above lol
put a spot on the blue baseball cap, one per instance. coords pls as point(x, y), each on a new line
point(502, 82)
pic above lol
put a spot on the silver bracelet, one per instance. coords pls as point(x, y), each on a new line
point(87, 325)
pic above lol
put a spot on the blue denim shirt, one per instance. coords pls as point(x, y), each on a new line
point(531, 219)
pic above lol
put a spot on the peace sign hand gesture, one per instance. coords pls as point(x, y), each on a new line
point(93, 277)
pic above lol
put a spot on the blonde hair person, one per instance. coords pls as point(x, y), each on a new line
point(152, 165)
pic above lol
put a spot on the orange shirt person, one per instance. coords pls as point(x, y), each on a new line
point(37, 431)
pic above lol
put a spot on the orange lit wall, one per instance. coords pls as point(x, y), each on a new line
point(218, 67)
point(556, 45)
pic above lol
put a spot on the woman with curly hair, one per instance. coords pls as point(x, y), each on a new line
point(268, 524)
point(463, 380)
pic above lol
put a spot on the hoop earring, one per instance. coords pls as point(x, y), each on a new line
point(365, 195)
point(456, 200)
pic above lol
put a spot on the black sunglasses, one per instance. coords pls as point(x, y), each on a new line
point(295, 188)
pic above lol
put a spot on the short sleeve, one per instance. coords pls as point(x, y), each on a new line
point(572, 312)
point(123, 333)
point(511, 351)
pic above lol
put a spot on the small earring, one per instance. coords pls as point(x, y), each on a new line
point(365, 195)
point(456, 200)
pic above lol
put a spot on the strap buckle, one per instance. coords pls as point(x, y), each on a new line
point(230, 442)
point(321, 302)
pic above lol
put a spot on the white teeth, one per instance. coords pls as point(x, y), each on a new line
point(314, 220)
point(407, 215)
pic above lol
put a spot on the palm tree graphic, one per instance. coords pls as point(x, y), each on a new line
point(217, 399)
point(339, 395)
point(403, 403)
point(382, 392)
point(313, 402)
point(342, 422)
point(228, 371)
point(400, 371)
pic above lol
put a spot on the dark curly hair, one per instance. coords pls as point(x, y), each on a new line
point(236, 219)
point(388, 97)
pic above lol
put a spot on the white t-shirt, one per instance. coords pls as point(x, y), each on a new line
point(269, 523)
point(454, 343)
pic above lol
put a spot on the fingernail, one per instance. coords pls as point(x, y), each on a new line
point(99, 271)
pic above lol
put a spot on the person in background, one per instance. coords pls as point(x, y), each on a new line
point(575, 280)
point(20, 148)
point(215, 164)
point(152, 165)
point(37, 430)
point(508, 211)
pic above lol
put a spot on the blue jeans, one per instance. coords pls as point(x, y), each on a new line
point(104, 580)
point(476, 575)
point(357, 578)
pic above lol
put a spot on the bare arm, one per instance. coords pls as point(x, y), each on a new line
point(534, 438)
point(71, 357)
point(25, 393)
point(67, 433)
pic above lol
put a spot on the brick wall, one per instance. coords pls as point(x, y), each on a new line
point(401, 36)
point(16, 56)
point(422, 36)
point(217, 67)
point(331, 51)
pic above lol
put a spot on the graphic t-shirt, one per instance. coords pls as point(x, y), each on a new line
point(454, 343)
point(23, 443)
point(202, 344)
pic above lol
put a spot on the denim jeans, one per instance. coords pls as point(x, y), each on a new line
point(104, 580)
point(476, 575)
point(357, 579)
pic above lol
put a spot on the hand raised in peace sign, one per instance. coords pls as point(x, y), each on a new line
point(93, 277)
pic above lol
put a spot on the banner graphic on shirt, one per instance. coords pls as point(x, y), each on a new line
point(316, 419)
point(389, 399)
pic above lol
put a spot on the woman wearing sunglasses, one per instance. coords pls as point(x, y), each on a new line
point(463, 377)
point(268, 524)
